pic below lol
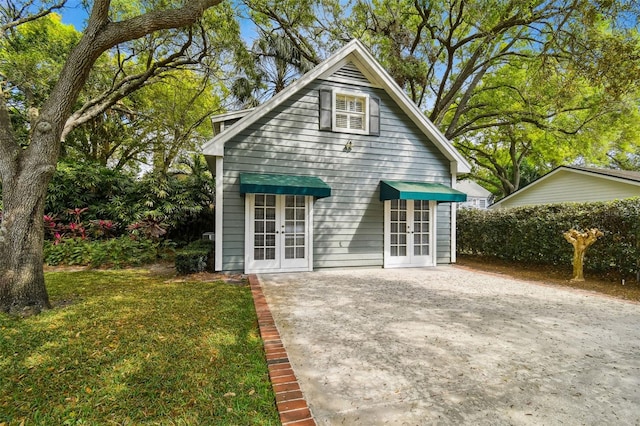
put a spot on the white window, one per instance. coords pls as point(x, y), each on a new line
point(350, 112)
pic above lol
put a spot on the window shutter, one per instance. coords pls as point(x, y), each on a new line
point(374, 116)
point(325, 109)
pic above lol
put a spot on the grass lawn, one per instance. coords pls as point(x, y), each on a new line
point(129, 348)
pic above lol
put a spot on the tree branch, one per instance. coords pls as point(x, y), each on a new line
point(101, 35)
point(9, 149)
point(125, 87)
point(17, 20)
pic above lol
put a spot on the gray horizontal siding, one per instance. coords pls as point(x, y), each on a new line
point(348, 226)
point(443, 233)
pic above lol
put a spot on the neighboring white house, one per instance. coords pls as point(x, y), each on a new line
point(478, 197)
point(575, 184)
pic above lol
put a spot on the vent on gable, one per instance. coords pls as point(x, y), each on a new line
point(351, 73)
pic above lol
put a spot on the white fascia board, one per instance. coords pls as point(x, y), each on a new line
point(230, 115)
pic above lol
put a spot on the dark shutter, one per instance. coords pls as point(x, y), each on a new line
point(325, 109)
point(374, 116)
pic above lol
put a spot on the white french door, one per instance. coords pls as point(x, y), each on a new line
point(278, 233)
point(409, 233)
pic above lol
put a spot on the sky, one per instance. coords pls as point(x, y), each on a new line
point(75, 14)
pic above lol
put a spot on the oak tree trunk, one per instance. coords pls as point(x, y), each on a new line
point(22, 284)
point(25, 172)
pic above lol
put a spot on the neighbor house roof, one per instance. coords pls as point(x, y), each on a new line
point(627, 175)
point(357, 53)
point(620, 176)
point(472, 189)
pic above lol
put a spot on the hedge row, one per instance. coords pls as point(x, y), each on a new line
point(534, 234)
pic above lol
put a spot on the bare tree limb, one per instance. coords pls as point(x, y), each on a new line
point(19, 20)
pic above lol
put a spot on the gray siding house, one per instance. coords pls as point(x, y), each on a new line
point(340, 169)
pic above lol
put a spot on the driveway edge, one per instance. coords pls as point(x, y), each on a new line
point(291, 404)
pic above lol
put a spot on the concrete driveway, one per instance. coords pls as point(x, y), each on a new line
point(452, 346)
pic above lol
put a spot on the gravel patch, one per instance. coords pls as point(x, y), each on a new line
point(452, 346)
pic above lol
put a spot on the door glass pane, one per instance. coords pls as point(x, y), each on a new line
point(421, 228)
point(295, 217)
point(270, 254)
point(264, 240)
point(271, 227)
point(398, 228)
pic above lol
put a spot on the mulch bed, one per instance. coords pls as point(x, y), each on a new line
point(609, 284)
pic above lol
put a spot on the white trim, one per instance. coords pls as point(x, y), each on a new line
point(219, 214)
point(409, 261)
point(454, 218)
point(334, 111)
point(386, 255)
point(362, 58)
point(230, 115)
point(280, 210)
point(249, 201)
point(309, 201)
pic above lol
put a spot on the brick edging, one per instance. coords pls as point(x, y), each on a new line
point(290, 401)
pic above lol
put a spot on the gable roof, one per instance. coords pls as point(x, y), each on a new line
point(623, 176)
point(355, 52)
point(473, 189)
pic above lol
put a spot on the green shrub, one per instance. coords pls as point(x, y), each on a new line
point(182, 203)
point(534, 234)
point(115, 252)
point(195, 257)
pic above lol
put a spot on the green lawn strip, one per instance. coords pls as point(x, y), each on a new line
point(132, 349)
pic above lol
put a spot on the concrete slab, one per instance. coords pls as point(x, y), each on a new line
point(451, 346)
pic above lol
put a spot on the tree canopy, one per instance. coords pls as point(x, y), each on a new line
point(27, 164)
point(510, 82)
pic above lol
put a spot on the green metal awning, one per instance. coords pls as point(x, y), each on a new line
point(402, 190)
point(254, 183)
